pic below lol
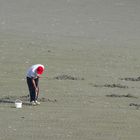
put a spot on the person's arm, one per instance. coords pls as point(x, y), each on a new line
point(37, 92)
point(36, 88)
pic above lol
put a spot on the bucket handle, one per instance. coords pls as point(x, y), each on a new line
point(18, 101)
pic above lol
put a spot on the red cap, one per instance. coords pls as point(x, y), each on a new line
point(40, 70)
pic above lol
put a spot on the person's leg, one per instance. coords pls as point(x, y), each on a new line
point(31, 89)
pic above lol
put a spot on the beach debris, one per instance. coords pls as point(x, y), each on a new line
point(135, 105)
point(8, 99)
point(67, 77)
point(47, 100)
point(119, 96)
point(130, 79)
point(110, 85)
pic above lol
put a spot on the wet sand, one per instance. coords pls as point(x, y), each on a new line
point(91, 49)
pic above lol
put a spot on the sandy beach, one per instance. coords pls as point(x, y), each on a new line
point(91, 50)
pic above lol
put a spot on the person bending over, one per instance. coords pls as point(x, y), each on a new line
point(32, 76)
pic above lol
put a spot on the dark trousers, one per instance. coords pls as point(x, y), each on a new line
point(31, 88)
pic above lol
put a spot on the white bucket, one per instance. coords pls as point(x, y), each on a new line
point(18, 103)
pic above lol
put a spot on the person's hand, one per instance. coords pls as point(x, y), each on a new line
point(38, 76)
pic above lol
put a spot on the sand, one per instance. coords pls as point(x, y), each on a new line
point(91, 50)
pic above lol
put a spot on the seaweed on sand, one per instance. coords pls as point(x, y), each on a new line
point(67, 77)
point(130, 79)
point(24, 99)
point(135, 105)
point(119, 96)
point(111, 86)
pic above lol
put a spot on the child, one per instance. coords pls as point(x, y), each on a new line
point(33, 74)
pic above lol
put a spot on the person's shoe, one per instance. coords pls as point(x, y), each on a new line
point(38, 103)
point(33, 103)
